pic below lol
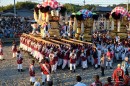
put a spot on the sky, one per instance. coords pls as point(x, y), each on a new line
point(80, 2)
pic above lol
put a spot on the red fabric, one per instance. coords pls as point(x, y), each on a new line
point(20, 61)
point(109, 84)
point(119, 84)
point(1, 53)
point(56, 58)
point(72, 60)
point(66, 57)
point(98, 83)
point(117, 72)
point(52, 62)
point(51, 3)
point(83, 58)
point(31, 72)
point(88, 52)
point(95, 61)
point(127, 80)
point(44, 70)
point(109, 54)
point(120, 10)
point(15, 49)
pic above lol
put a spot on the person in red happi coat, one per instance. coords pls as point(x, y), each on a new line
point(46, 70)
point(32, 73)
point(14, 49)
point(19, 61)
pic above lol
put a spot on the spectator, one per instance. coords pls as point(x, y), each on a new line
point(118, 73)
point(49, 83)
point(78, 78)
point(109, 83)
point(10, 25)
point(97, 82)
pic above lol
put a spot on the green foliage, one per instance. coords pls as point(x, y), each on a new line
point(19, 5)
point(70, 7)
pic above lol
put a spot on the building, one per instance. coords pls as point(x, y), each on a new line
point(102, 10)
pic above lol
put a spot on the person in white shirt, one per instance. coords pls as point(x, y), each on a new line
point(78, 78)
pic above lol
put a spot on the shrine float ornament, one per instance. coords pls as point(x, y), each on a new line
point(118, 13)
point(78, 20)
point(49, 12)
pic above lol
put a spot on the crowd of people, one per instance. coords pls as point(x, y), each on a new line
point(68, 54)
point(11, 27)
point(101, 54)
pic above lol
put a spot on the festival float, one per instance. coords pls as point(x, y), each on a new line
point(80, 23)
point(118, 13)
point(50, 17)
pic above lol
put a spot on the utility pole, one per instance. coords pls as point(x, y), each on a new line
point(84, 2)
point(128, 5)
point(14, 9)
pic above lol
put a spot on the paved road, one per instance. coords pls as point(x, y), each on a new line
point(10, 77)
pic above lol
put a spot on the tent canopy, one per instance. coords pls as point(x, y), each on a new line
point(8, 14)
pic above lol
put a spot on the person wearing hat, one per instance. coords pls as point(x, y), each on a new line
point(118, 73)
point(79, 79)
point(19, 61)
point(97, 82)
point(32, 72)
point(109, 82)
point(14, 49)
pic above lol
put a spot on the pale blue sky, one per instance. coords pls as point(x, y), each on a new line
point(80, 2)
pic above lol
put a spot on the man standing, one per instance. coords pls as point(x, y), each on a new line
point(95, 57)
point(1, 52)
point(108, 59)
point(66, 30)
point(78, 78)
point(14, 49)
point(72, 60)
point(32, 73)
point(46, 70)
point(84, 60)
point(99, 56)
point(118, 73)
point(66, 58)
point(52, 60)
point(125, 66)
point(46, 27)
point(19, 61)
